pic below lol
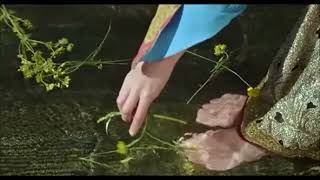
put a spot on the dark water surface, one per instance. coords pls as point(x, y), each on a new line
point(47, 133)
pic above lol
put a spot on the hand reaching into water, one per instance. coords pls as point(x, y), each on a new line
point(142, 85)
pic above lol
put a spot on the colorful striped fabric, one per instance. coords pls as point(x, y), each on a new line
point(178, 27)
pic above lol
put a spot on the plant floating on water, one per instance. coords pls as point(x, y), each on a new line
point(220, 51)
point(41, 60)
point(188, 167)
point(135, 149)
point(122, 147)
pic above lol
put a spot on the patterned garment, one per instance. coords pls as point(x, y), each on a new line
point(178, 27)
point(161, 19)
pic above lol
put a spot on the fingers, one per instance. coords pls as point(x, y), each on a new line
point(129, 106)
point(121, 100)
point(123, 94)
point(139, 116)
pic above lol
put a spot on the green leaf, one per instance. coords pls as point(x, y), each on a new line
point(34, 44)
point(27, 24)
point(66, 81)
point(100, 66)
point(20, 56)
point(122, 147)
point(50, 87)
point(11, 11)
point(49, 44)
point(70, 47)
point(38, 78)
point(63, 41)
point(126, 160)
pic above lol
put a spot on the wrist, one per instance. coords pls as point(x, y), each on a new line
point(170, 61)
point(164, 66)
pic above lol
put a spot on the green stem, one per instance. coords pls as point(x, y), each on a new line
point(96, 51)
point(230, 70)
point(107, 125)
point(148, 148)
point(105, 153)
point(43, 43)
point(159, 140)
point(140, 137)
point(15, 28)
point(132, 149)
point(95, 162)
point(109, 115)
point(169, 118)
point(94, 63)
point(202, 86)
point(76, 64)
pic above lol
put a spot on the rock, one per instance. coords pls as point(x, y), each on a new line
point(221, 149)
point(223, 112)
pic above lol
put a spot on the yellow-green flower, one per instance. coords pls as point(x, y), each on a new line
point(220, 49)
point(66, 81)
point(122, 147)
point(49, 87)
point(70, 47)
point(188, 168)
point(253, 92)
point(100, 66)
point(27, 24)
point(63, 41)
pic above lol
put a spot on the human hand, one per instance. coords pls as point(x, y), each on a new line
point(142, 85)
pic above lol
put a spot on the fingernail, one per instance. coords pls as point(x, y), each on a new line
point(124, 118)
point(132, 133)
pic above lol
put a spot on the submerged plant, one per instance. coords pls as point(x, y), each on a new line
point(188, 167)
point(122, 148)
point(136, 149)
point(221, 52)
point(120, 145)
point(42, 60)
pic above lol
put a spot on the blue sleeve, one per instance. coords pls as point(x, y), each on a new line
point(191, 25)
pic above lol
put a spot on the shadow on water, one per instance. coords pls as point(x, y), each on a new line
point(47, 133)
